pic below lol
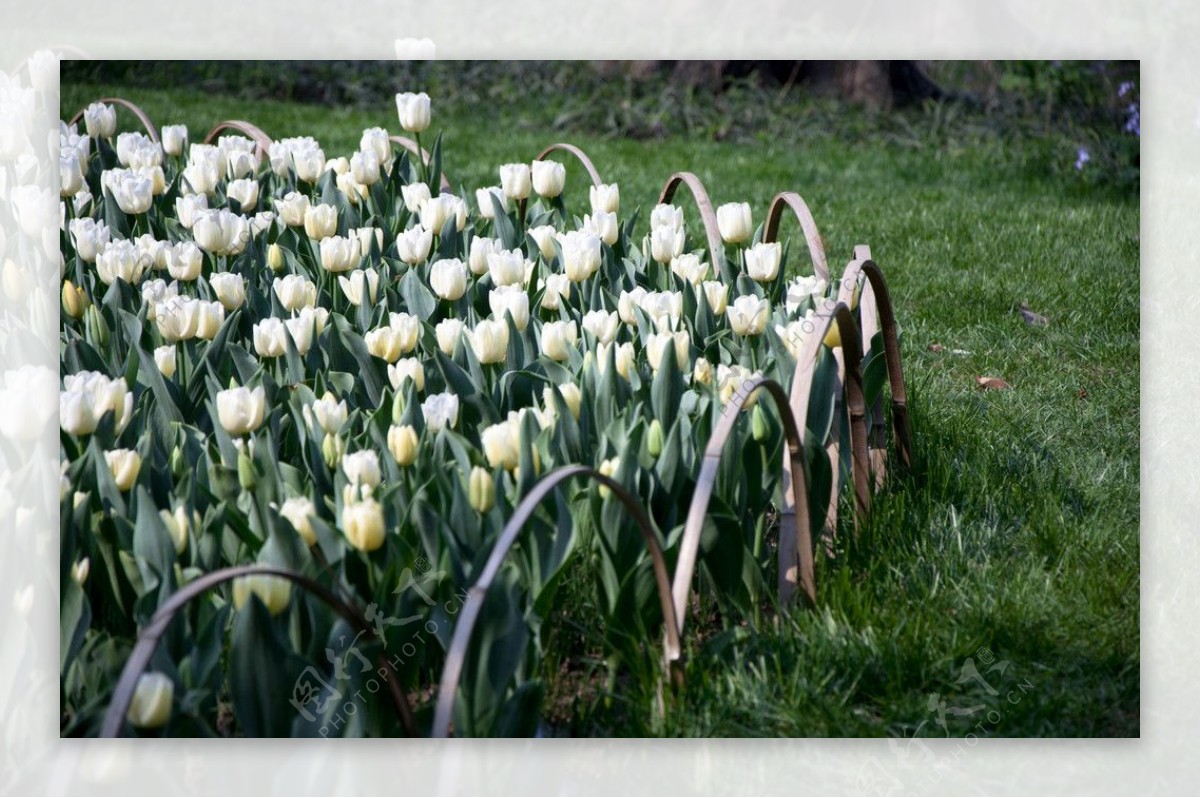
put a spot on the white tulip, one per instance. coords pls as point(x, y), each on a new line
point(415, 195)
point(801, 289)
point(510, 299)
point(440, 411)
point(268, 337)
point(409, 328)
point(730, 382)
point(702, 372)
point(604, 225)
point(155, 292)
point(120, 259)
point(365, 235)
point(352, 285)
point(414, 111)
point(571, 395)
point(665, 243)
point(328, 413)
point(131, 190)
point(364, 166)
point(295, 292)
point(320, 221)
point(89, 237)
point(665, 308)
point(177, 318)
point(70, 174)
point(363, 525)
point(628, 303)
point(794, 333)
point(483, 198)
point(581, 255)
point(657, 343)
point(292, 208)
point(221, 231)
point(735, 222)
point(515, 180)
point(407, 368)
point(690, 268)
point(506, 267)
point(209, 318)
point(125, 464)
point(153, 251)
point(376, 140)
point(188, 208)
point(557, 288)
point(184, 260)
point(489, 340)
point(605, 198)
point(762, 261)
point(669, 216)
point(602, 324)
point(413, 245)
point(480, 249)
point(245, 191)
point(558, 339)
point(549, 177)
point(241, 410)
point(355, 191)
point(230, 289)
point(362, 468)
point(339, 253)
point(299, 511)
point(174, 137)
point(501, 445)
point(448, 278)
point(164, 358)
point(448, 332)
point(748, 315)
point(100, 120)
point(544, 236)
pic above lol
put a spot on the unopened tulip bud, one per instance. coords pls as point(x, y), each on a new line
point(79, 571)
point(654, 440)
point(758, 423)
point(245, 469)
point(94, 323)
point(150, 707)
point(402, 443)
point(74, 300)
point(275, 258)
point(331, 450)
point(481, 490)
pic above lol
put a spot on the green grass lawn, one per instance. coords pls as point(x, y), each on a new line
point(1015, 540)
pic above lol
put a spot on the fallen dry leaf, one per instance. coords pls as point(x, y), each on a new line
point(1031, 318)
point(936, 348)
point(992, 383)
point(1082, 393)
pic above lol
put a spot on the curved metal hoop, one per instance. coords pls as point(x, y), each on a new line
point(816, 247)
point(421, 153)
point(456, 656)
point(707, 215)
point(151, 130)
point(877, 299)
point(579, 154)
point(261, 140)
point(795, 535)
point(148, 639)
point(852, 385)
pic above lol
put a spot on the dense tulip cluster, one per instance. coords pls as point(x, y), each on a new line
point(326, 364)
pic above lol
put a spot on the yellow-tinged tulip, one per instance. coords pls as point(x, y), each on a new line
point(402, 443)
point(177, 526)
point(481, 490)
point(75, 300)
point(79, 571)
point(362, 523)
point(299, 512)
point(124, 465)
point(273, 591)
point(150, 707)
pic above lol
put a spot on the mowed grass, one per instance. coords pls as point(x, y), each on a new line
point(1014, 541)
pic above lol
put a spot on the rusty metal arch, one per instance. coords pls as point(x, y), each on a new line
point(148, 639)
point(421, 153)
point(707, 215)
point(151, 130)
point(579, 154)
point(878, 314)
point(456, 656)
point(261, 140)
point(851, 389)
point(785, 200)
point(795, 536)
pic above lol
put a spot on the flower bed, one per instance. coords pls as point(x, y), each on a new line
point(330, 438)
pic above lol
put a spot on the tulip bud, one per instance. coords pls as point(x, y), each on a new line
point(481, 490)
point(414, 111)
point(150, 707)
point(549, 177)
point(273, 591)
point(758, 423)
point(74, 300)
point(177, 463)
point(402, 443)
point(399, 404)
point(79, 571)
point(654, 440)
point(515, 180)
point(177, 526)
point(608, 468)
point(331, 450)
point(299, 511)
point(245, 469)
point(96, 327)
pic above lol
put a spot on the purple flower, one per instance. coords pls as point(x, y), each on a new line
point(1082, 158)
point(1125, 88)
point(1133, 123)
